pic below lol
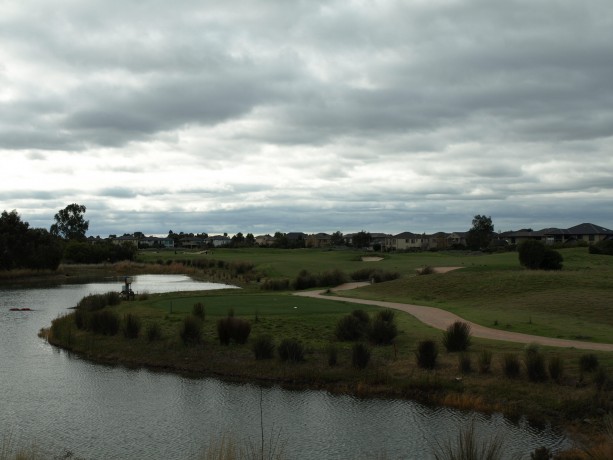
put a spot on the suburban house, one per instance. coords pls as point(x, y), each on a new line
point(318, 240)
point(264, 240)
point(218, 241)
point(192, 242)
point(586, 232)
point(155, 242)
point(129, 239)
point(406, 240)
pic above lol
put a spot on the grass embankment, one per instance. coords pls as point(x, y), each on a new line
point(492, 290)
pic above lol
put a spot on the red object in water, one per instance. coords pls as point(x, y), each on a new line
point(20, 309)
point(13, 309)
point(26, 309)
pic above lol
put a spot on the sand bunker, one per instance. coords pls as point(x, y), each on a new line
point(371, 259)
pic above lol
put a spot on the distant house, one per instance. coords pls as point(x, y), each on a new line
point(192, 242)
point(264, 240)
point(406, 240)
point(588, 233)
point(129, 239)
point(319, 240)
point(218, 241)
point(156, 242)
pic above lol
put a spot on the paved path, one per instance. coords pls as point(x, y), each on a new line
point(441, 319)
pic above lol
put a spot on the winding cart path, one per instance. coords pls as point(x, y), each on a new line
point(441, 319)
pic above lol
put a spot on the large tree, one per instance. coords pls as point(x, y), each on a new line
point(70, 223)
point(480, 234)
point(361, 239)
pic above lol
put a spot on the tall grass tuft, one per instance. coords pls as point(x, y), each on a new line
point(332, 353)
point(426, 354)
point(233, 329)
point(263, 347)
point(484, 361)
point(588, 362)
point(131, 326)
point(348, 328)
point(191, 330)
point(382, 332)
point(153, 332)
point(360, 355)
point(468, 447)
point(291, 350)
point(510, 365)
point(556, 368)
point(464, 363)
point(457, 337)
point(104, 322)
point(535, 364)
point(99, 301)
point(198, 310)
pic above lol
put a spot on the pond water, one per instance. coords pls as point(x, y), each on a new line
point(57, 401)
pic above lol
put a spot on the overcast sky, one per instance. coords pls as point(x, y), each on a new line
point(314, 116)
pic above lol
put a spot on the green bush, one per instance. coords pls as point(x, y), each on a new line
point(104, 322)
point(535, 255)
point(332, 278)
point(602, 247)
point(457, 337)
point(535, 364)
point(131, 326)
point(588, 362)
point(382, 332)
point(349, 328)
point(374, 275)
point(426, 354)
point(362, 316)
point(304, 280)
point(386, 315)
point(275, 285)
point(99, 301)
point(510, 365)
point(198, 310)
point(291, 350)
point(263, 347)
point(153, 332)
point(360, 355)
point(81, 318)
point(484, 362)
point(191, 330)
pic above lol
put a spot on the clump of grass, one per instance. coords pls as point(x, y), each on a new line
point(191, 330)
point(153, 332)
point(332, 353)
point(588, 362)
point(131, 326)
point(349, 328)
point(468, 447)
point(556, 368)
point(383, 330)
point(464, 363)
point(143, 295)
point(291, 350)
point(360, 355)
point(484, 361)
point(104, 322)
point(457, 337)
point(535, 364)
point(510, 365)
point(233, 329)
point(198, 310)
point(263, 347)
point(426, 354)
point(99, 301)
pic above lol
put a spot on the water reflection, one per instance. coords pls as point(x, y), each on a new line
point(60, 401)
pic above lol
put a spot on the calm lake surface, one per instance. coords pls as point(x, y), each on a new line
point(59, 402)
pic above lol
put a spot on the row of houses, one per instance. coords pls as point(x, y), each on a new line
point(579, 234)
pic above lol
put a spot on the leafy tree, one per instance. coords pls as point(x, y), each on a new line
point(362, 239)
point(250, 239)
point(337, 239)
point(70, 223)
point(280, 240)
point(480, 234)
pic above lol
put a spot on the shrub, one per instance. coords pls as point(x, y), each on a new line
point(362, 316)
point(99, 301)
point(426, 354)
point(535, 365)
point(332, 278)
point(484, 361)
point(291, 350)
point(191, 330)
point(556, 368)
point(457, 337)
point(382, 332)
point(104, 322)
point(81, 318)
point(305, 280)
point(275, 285)
point(374, 275)
point(231, 328)
point(153, 332)
point(349, 328)
point(131, 326)
point(263, 347)
point(464, 363)
point(360, 355)
point(198, 310)
point(510, 365)
point(588, 362)
point(386, 315)
point(535, 255)
point(332, 355)
point(470, 446)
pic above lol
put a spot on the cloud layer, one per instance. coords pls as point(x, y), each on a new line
point(315, 116)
